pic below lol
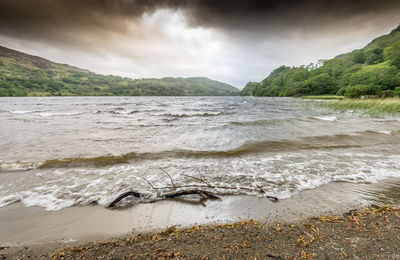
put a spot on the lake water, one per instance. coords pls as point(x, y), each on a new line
point(58, 152)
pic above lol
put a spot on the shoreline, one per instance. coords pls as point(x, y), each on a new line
point(369, 232)
point(27, 226)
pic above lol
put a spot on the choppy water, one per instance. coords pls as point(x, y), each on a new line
point(61, 152)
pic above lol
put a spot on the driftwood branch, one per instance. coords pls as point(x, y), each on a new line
point(193, 189)
point(124, 195)
point(204, 194)
point(169, 195)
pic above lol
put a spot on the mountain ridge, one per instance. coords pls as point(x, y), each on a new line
point(22, 74)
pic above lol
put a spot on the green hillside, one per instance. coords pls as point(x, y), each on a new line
point(371, 71)
point(26, 75)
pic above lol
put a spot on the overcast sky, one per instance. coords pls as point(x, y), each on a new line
point(231, 41)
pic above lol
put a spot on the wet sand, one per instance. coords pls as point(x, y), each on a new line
point(368, 233)
point(27, 226)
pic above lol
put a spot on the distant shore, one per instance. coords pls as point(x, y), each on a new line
point(33, 231)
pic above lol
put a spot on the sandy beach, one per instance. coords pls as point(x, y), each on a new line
point(48, 231)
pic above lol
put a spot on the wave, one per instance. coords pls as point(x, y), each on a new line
point(20, 111)
point(204, 114)
point(275, 121)
point(266, 122)
point(326, 118)
point(123, 112)
point(51, 114)
point(280, 176)
point(342, 141)
point(19, 166)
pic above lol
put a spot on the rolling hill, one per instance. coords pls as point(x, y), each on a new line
point(22, 74)
point(371, 71)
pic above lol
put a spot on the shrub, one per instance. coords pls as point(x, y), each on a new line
point(397, 92)
point(385, 94)
point(341, 91)
point(358, 91)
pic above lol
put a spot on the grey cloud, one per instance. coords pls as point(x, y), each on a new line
point(259, 34)
point(49, 18)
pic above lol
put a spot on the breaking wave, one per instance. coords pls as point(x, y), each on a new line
point(342, 141)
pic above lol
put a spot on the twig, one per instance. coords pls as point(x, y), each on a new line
point(201, 175)
point(172, 182)
point(275, 257)
point(260, 189)
point(147, 182)
point(272, 198)
point(198, 179)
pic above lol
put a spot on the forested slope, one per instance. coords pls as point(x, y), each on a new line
point(371, 71)
point(26, 75)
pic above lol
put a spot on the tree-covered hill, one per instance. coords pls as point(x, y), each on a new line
point(371, 71)
point(26, 75)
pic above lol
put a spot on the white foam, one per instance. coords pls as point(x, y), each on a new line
point(18, 166)
point(326, 118)
point(50, 114)
point(8, 199)
point(280, 175)
point(21, 112)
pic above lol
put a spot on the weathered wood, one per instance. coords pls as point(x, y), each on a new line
point(169, 195)
point(124, 195)
point(272, 198)
point(191, 189)
point(204, 194)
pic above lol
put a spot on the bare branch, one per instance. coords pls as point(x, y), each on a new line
point(204, 194)
point(170, 195)
point(198, 179)
point(147, 182)
point(123, 195)
point(188, 189)
point(201, 175)
point(260, 189)
point(172, 182)
point(272, 198)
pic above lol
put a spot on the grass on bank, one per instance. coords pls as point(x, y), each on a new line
point(323, 97)
point(370, 106)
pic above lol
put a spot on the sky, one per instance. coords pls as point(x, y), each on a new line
point(226, 40)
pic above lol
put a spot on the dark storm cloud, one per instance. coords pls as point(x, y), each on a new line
point(229, 40)
point(54, 18)
point(243, 13)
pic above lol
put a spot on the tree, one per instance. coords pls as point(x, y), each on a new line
point(361, 90)
point(358, 56)
point(374, 55)
point(250, 89)
point(322, 84)
point(393, 55)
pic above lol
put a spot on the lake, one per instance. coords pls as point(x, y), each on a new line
point(58, 152)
